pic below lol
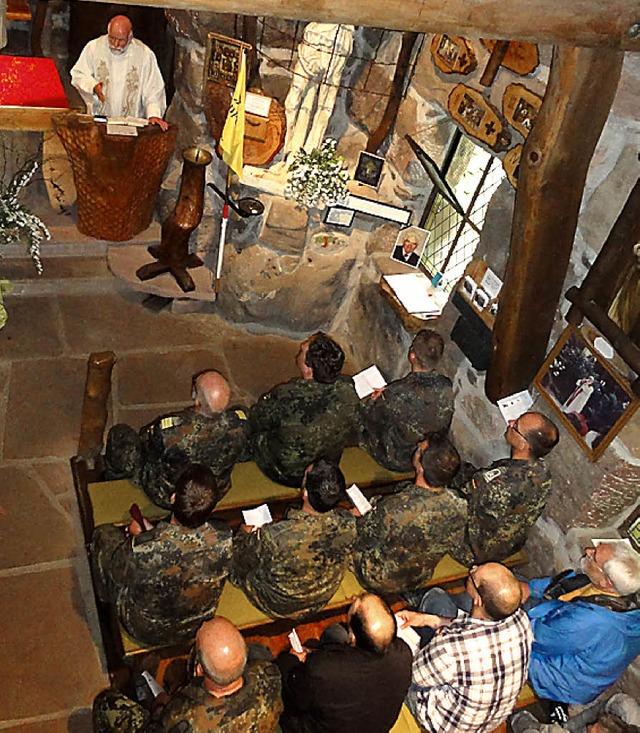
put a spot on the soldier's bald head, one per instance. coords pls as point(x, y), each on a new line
point(212, 392)
point(221, 651)
point(372, 623)
point(498, 588)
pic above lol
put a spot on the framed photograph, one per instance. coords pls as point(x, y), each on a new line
point(630, 528)
point(409, 246)
point(592, 401)
point(338, 216)
point(222, 61)
point(369, 169)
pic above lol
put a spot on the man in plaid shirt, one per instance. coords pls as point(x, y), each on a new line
point(467, 679)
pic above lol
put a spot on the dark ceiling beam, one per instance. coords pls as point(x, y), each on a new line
point(612, 23)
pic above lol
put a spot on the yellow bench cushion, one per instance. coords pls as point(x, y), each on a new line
point(111, 499)
point(235, 606)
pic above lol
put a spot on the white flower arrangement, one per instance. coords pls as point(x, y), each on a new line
point(318, 178)
point(16, 223)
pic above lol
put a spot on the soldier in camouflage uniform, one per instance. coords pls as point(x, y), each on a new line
point(228, 695)
point(506, 499)
point(402, 539)
point(208, 433)
point(396, 418)
point(165, 581)
point(293, 567)
point(305, 418)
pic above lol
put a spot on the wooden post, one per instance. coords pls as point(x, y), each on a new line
point(553, 168)
point(605, 277)
point(393, 104)
point(94, 404)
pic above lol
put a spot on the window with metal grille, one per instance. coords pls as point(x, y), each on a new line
point(473, 174)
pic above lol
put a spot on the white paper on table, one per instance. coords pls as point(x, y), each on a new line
point(367, 380)
point(491, 283)
point(514, 405)
point(130, 121)
point(258, 516)
point(359, 500)
point(126, 130)
point(416, 293)
point(295, 642)
point(613, 541)
point(257, 104)
point(410, 636)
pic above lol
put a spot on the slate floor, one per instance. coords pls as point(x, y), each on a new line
point(50, 648)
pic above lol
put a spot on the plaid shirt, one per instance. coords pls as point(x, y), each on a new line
point(467, 679)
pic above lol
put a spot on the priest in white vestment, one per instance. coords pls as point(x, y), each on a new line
point(118, 76)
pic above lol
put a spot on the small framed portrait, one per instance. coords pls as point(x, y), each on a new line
point(369, 169)
point(630, 528)
point(222, 61)
point(409, 246)
point(339, 216)
point(592, 401)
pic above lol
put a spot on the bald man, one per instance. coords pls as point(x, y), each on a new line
point(118, 76)
point(228, 694)
point(356, 681)
point(468, 677)
point(209, 433)
point(506, 498)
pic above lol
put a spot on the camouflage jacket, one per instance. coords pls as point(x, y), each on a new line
point(402, 539)
point(171, 442)
point(255, 708)
point(505, 500)
point(168, 580)
point(409, 408)
point(293, 567)
point(300, 420)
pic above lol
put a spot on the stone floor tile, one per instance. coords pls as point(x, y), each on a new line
point(148, 378)
point(260, 362)
point(56, 268)
point(42, 533)
point(32, 328)
point(119, 322)
point(44, 407)
point(79, 721)
point(57, 476)
point(55, 666)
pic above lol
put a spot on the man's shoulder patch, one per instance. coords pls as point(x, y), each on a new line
point(492, 474)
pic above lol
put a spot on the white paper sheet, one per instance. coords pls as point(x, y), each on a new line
point(416, 293)
point(514, 405)
point(258, 516)
point(359, 500)
point(367, 380)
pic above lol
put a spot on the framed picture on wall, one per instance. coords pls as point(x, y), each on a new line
point(339, 216)
point(369, 169)
point(590, 399)
point(222, 61)
point(630, 528)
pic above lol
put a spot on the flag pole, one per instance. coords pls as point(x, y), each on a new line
point(223, 232)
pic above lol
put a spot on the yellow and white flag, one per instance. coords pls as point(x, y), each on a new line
point(232, 138)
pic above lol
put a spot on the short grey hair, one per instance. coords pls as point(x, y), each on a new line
point(623, 569)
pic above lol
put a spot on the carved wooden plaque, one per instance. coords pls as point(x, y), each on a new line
point(452, 54)
point(520, 106)
point(521, 58)
point(511, 164)
point(479, 118)
point(263, 137)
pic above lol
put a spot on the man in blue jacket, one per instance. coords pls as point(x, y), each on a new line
point(586, 626)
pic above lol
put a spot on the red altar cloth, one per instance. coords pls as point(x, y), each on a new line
point(30, 82)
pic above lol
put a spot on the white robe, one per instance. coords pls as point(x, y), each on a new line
point(132, 83)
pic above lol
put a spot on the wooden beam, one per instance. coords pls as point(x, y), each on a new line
point(553, 168)
point(614, 23)
point(614, 260)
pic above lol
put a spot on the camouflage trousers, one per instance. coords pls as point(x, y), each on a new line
point(113, 712)
point(123, 454)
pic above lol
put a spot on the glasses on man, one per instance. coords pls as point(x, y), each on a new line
point(513, 424)
point(473, 581)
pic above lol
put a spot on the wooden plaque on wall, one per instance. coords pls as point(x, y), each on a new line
point(521, 58)
point(479, 118)
point(452, 54)
point(520, 106)
point(511, 164)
